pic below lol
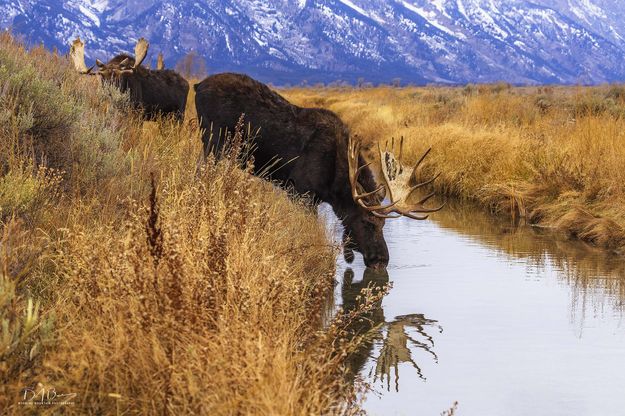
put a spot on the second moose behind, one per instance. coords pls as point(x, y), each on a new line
point(160, 91)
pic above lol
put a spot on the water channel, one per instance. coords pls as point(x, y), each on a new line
point(503, 319)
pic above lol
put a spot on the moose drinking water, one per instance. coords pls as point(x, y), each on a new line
point(318, 158)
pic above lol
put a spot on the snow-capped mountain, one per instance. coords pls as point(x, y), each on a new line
point(445, 41)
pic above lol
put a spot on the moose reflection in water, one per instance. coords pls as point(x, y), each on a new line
point(402, 334)
point(398, 340)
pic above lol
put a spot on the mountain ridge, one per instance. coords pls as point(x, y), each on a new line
point(288, 41)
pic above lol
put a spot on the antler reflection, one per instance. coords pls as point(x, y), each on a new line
point(399, 339)
point(398, 343)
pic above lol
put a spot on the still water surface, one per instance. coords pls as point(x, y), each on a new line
point(505, 320)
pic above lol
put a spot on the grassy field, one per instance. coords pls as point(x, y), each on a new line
point(549, 156)
point(144, 281)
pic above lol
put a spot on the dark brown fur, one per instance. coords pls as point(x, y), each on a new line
point(153, 91)
point(314, 140)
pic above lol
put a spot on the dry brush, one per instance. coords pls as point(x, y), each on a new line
point(143, 280)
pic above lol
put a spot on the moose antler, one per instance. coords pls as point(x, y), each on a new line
point(353, 153)
point(395, 180)
point(141, 50)
point(160, 64)
point(77, 54)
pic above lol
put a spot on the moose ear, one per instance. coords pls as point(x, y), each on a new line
point(124, 63)
point(99, 63)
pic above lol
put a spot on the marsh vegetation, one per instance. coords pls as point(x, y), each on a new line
point(549, 156)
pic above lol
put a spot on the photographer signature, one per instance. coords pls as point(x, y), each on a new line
point(45, 395)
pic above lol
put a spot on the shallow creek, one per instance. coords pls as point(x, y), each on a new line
point(506, 320)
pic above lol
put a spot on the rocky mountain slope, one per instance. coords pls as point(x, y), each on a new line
point(443, 41)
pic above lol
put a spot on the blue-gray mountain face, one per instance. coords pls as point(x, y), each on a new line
point(445, 41)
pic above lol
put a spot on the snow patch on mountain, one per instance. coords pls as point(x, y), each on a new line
point(450, 41)
point(431, 18)
point(92, 16)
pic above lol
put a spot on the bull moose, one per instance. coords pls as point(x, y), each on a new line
point(324, 162)
point(160, 91)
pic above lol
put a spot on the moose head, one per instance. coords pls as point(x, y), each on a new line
point(363, 227)
point(116, 68)
point(155, 92)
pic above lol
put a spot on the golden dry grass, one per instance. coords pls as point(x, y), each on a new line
point(142, 280)
point(552, 156)
point(593, 274)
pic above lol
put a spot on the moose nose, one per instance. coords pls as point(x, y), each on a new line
point(376, 262)
point(377, 257)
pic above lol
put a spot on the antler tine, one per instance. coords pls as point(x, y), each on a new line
point(435, 209)
point(352, 147)
point(363, 167)
point(386, 216)
point(415, 217)
point(377, 207)
point(160, 64)
point(419, 205)
point(411, 213)
point(420, 208)
point(141, 51)
point(368, 194)
point(77, 54)
point(352, 161)
point(356, 151)
point(354, 172)
point(422, 184)
point(425, 198)
point(427, 152)
point(382, 161)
